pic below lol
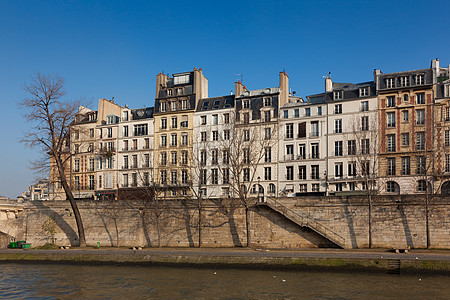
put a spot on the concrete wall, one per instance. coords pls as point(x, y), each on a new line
point(397, 222)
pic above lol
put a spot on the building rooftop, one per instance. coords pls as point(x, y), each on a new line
point(214, 103)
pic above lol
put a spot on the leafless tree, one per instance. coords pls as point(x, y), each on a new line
point(49, 118)
point(363, 148)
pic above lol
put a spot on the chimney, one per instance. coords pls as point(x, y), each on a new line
point(239, 88)
point(376, 78)
point(284, 87)
point(435, 67)
point(328, 83)
point(161, 81)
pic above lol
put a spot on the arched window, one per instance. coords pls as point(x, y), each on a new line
point(445, 190)
point(272, 188)
point(392, 187)
point(255, 190)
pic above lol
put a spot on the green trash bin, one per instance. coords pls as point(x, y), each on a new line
point(26, 246)
point(13, 245)
point(20, 243)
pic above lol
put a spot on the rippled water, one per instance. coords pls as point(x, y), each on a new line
point(118, 282)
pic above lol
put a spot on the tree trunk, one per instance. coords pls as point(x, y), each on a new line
point(370, 221)
point(117, 232)
point(247, 225)
point(158, 229)
point(76, 213)
point(427, 213)
point(199, 226)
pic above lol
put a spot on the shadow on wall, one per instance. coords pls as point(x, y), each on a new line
point(5, 239)
point(59, 220)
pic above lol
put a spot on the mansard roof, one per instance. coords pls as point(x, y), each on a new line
point(142, 113)
point(215, 103)
point(259, 92)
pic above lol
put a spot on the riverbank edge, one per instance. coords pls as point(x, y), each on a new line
point(141, 258)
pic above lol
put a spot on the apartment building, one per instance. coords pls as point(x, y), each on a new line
point(406, 102)
point(175, 103)
point(135, 148)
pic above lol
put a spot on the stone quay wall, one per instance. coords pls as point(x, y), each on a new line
point(397, 222)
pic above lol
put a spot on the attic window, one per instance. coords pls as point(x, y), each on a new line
point(338, 95)
point(206, 103)
point(420, 79)
point(246, 103)
point(181, 79)
point(217, 102)
point(363, 92)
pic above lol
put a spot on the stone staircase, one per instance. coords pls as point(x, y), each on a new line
point(304, 221)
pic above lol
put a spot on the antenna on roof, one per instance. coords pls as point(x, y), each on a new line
point(242, 77)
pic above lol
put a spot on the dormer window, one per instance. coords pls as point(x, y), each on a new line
point(169, 92)
point(364, 91)
point(173, 105)
point(181, 79)
point(184, 104)
point(404, 80)
point(389, 83)
point(420, 79)
point(180, 91)
point(267, 101)
point(163, 106)
point(111, 119)
point(338, 95)
point(125, 116)
point(246, 103)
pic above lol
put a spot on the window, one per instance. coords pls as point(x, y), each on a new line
point(405, 98)
point(365, 106)
point(225, 176)
point(338, 109)
point(184, 139)
point(141, 129)
point(225, 157)
point(338, 170)
point(351, 169)
point(203, 176)
point(421, 186)
point(289, 152)
point(174, 122)
point(215, 119)
point(203, 136)
point(246, 174)
point(351, 147)
point(163, 140)
point(214, 176)
point(289, 173)
point(91, 147)
point(267, 101)
point(315, 187)
point(134, 179)
point(302, 172)
point(303, 188)
point(184, 176)
point(405, 139)
point(301, 151)
point(404, 80)
point(246, 135)
point(289, 131)
point(391, 143)
point(272, 188)
point(301, 130)
point(184, 104)
point(203, 120)
point(338, 95)
point(163, 106)
point(421, 164)
point(364, 91)
point(184, 157)
point(125, 162)
point(338, 126)
point(215, 135)
point(389, 83)
point(315, 150)
point(174, 140)
point(125, 180)
point(169, 92)
point(307, 112)
point(364, 123)
point(146, 143)
point(109, 132)
point(447, 163)
point(315, 172)
point(91, 132)
point(173, 177)
point(315, 129)
point(420, 98)
point(392, 187)
point(267, 155)
point(267, 133)
point(163, 123)
point(184, 122)
point(447, 138)
point(390, 117)
point(91, 182)
point(246, 155)
point(91, 164)
point(420, 141)
point(173, 105)
point(135, 147)
point(76, 166)
point(405, 116)
point(214, 156)
point(391, 166)
point(203, 157)
point(246, 103)
point(246, 118)
point(338, 148)
point(267, 173)
point(163, 158)
point(226, 118)
point(174, 158)
point(226, 135)
point(146, 160)
point(286, 114)
point(420, 117)
point(319, 110)
point(365, 146)
point(406, 166)
point(420, 79)
point(182, 79)
point(267, 116)
point(390, 101)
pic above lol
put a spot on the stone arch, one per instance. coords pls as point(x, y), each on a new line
point(392, 187)
point(445, 189)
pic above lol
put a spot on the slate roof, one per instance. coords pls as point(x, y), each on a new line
point(215, 103)
point(142, 113)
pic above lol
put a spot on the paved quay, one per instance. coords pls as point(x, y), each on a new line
point(375, 260)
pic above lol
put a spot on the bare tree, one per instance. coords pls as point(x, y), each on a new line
point(363, 148)
point(49, 118)
point(245, 149)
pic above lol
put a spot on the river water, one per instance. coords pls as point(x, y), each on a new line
point(34, 281)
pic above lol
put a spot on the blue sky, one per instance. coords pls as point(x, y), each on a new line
point(107, 49)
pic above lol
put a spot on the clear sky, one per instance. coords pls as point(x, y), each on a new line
point(107, 49)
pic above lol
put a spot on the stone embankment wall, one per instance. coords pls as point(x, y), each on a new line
point(396, 222)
